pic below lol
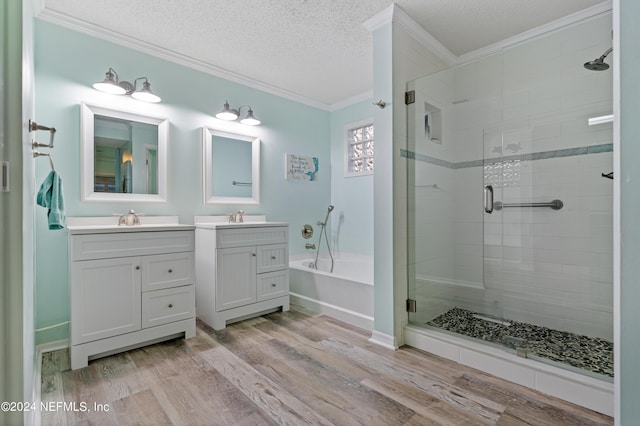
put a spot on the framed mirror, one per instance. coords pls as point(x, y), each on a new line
point(231, 167)
point(123, 155)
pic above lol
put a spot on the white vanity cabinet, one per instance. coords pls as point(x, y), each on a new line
point(129, 288)
point(242, 270)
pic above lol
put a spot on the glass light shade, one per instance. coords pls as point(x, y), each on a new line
point(109, 85)
point(250, 119)
point(227, 113)
point(145, 94)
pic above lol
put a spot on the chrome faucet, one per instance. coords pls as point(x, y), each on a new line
point(237, 217)
point(130, 219)
point(310, 246)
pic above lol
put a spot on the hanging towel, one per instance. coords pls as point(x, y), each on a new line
point(50, 196)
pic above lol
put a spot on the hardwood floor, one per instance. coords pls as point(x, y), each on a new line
point(290, 368)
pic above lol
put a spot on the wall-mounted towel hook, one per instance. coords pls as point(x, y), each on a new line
point(33, 126)
point(380, 104)
point(43, 154)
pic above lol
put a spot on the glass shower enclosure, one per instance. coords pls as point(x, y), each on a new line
point(510, 206)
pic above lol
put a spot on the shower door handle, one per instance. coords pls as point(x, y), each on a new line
point(488, 198)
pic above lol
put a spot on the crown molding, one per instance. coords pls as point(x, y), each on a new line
point(364, 96)
point(423, 37)
point(385, 16)
point(563, 22)
point(57, 18)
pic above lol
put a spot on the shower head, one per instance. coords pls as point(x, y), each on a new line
point(330, 208)
point(599, 64)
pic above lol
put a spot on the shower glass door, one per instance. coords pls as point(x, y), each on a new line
point(446, 194)
point(510, 222)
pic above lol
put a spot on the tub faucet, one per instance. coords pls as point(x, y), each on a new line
point(310, 246)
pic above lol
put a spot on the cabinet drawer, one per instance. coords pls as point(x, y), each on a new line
point(273, 284)
point(167, 270)
point(169, 305)
point(272, 257)
point(101, 246)
point(251, 236)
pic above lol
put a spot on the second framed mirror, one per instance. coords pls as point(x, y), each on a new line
point(231, 167)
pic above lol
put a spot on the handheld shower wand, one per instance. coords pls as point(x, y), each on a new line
point(323, 228)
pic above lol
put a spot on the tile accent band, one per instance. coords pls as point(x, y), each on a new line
point(543, 155)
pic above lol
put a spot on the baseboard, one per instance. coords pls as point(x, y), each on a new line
point(342, 314)
point(384, 340)
point(37, 374)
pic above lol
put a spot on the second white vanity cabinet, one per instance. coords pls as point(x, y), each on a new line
point(129, 286)
point(242, 270)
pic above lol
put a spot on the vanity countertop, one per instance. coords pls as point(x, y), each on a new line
point(246, 224)
point(222, 222)
point(107, 225)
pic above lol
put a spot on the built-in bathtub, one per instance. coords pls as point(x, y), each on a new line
point(345, 294)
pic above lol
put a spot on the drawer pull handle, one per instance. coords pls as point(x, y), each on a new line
point(170, 305)
point(137, 267)
point(273, 257)
point(253, 254)
point(170, 270)
point(273, 284)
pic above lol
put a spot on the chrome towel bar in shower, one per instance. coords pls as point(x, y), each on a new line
point(490, 205)
point(554, 204)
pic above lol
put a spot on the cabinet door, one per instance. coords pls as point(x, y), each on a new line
point(105, 298)
point(235, 277)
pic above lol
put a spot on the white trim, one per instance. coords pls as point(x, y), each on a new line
point(394, 13)
point(37, 374)
point(423, 37)
point(385, 16)
point(334, 311)
point(51, 16)
point(365, 96)
point(536, 32)
point(384, 340)
point(585, 391)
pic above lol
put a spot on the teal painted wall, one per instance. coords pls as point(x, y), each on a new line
point(628, 346)
point(352, 220)
point(68, 63)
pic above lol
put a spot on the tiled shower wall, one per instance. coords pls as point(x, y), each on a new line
point(518, 121)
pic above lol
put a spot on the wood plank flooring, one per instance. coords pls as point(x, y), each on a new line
point(290, 368)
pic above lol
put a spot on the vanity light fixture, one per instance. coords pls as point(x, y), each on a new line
point(231, 114)
point(111, 85)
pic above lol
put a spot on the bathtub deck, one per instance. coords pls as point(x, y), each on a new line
point(292, 368)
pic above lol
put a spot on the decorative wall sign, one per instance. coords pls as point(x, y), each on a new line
point(300, 167)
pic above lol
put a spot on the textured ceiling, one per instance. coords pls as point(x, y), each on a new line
point(314, 49)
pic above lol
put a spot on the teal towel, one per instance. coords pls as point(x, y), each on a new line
point(50, 196)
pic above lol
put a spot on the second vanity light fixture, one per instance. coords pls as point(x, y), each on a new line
point(231, 114)
point(111, 85)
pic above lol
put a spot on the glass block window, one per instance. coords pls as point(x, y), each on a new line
point(359, 149)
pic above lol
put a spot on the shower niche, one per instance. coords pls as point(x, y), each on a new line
point(509, 218)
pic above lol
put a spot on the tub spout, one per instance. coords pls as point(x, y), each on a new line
point(310, 246)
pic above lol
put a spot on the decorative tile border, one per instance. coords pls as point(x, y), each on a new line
point(543, 155)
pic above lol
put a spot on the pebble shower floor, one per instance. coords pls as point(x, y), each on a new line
point(591, 354)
